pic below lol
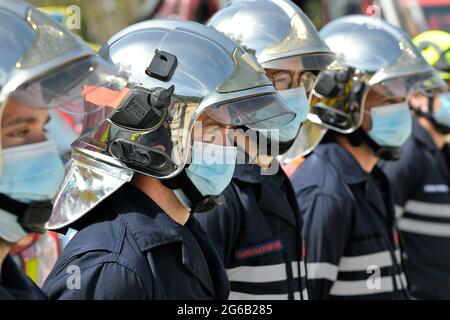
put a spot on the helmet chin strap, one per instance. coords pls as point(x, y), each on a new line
point(199, 203)
point(382, 152)
point(31, 217)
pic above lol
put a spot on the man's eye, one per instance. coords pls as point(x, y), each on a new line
point(19, 133)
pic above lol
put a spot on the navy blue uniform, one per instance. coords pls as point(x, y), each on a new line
point(349, 228)
point(421, 180)
point(15, 285)
point(258, 232)
point(131, 249)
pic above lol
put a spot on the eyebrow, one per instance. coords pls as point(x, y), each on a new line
point(20, 120)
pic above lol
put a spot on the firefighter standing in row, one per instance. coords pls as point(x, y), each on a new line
point(349, 227)
point(131, 188)
point(258, 227)
point(34, 77)
point(421, 180)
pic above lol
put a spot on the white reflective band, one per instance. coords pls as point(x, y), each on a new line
point(404, 281)
point(247, 296)
point(363, 287)
point(304, 293)
point(435, 188)
point(399, 211)
point(302, 269)
point(398, 256)
point(258, 274)
point(424, 227)
point(322, 270)
point(428, 209)
point(361, 263)
point(234, 295)
point(401, 281)
point(295, 269)
point(262, 274)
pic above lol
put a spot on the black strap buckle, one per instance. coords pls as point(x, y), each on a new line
point(35, 216)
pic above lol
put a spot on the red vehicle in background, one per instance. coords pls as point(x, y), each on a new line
point(437, 13)
point(195, 10)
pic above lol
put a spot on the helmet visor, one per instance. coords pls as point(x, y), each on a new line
point(68, 87)
point(267, 112)
point(309, 62)
point(402, 86)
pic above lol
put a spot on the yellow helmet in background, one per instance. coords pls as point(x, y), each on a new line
point(435, 47)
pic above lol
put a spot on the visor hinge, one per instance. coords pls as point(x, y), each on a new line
point(145, 110)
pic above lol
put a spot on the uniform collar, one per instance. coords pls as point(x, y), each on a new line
point(350, 172)
point(424, 139)
point(251, 173)
point(152, 227)
point(344, 163)
point(149, 224)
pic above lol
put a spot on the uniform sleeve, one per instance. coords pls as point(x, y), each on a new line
point(405, 174)
point(99, 282)
point(327, 228)
point(222, 224)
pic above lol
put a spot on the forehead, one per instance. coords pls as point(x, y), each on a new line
point(15, 111)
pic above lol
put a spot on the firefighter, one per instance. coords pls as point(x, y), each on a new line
point(258, 229)
point(421, 180)
point(34, 77)
point(349, 227)
point(150, 158)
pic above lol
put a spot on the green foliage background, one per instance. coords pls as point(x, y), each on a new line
point(100, 18)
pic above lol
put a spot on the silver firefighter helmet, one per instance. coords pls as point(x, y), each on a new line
point(42, 66)
point(178, 70)
point(282, 38)
point(377, 56)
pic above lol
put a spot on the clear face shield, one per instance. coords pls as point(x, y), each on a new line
point(66, 88)
point(338, 99)
point(310, 133)
point(432, 99)
point(45, 70)
point(294, 78)
point(56, 70)
point(108, 153)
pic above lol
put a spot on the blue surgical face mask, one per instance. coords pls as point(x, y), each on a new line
point(297, 100)
point(212, 167)
point(31, 172)
point(443, 116)
point(391, 125)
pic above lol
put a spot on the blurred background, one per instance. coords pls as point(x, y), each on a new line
point(99, 19)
